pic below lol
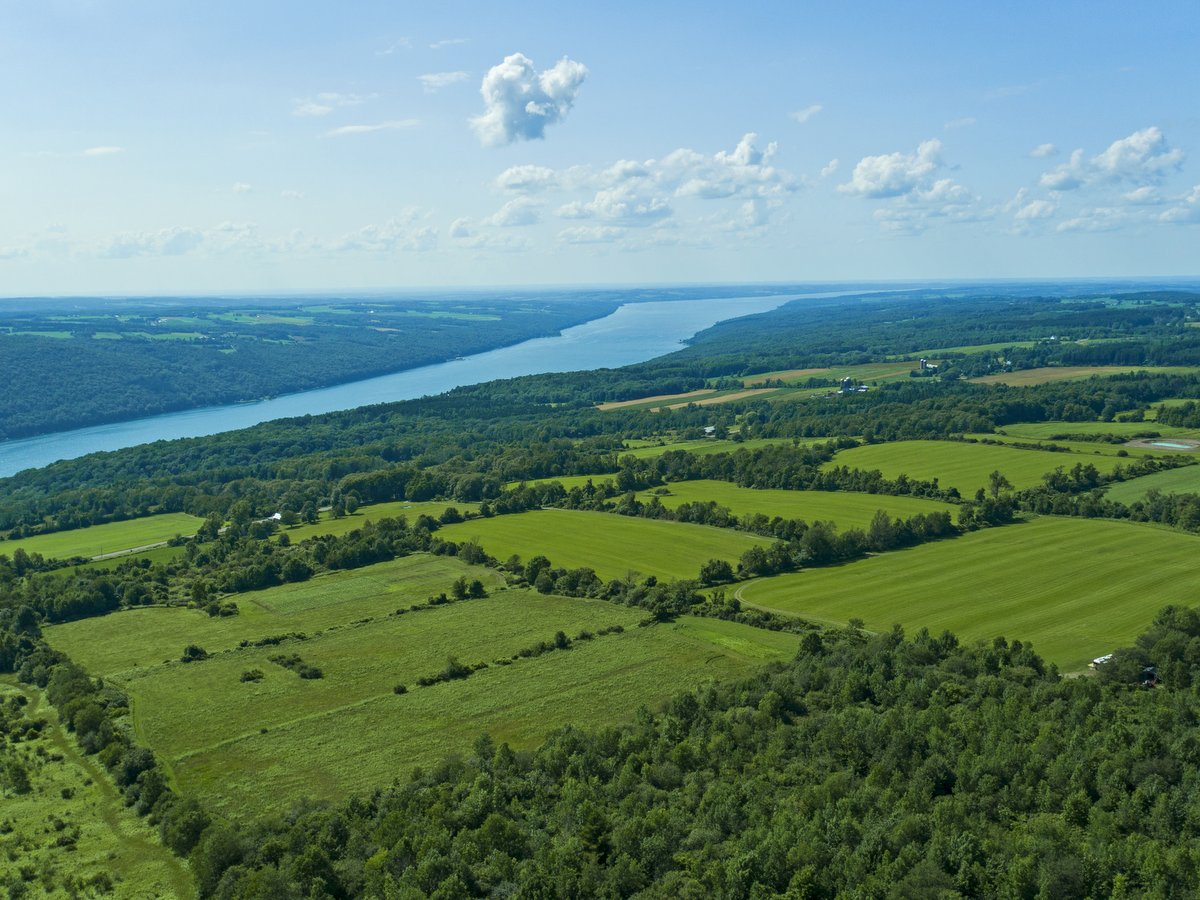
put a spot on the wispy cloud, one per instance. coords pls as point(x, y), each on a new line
point(435, 81)
point(803, 115)
point(1041, 151)
point(398, 44)
point(325, 102)
point(102, 151)
point(395, 125)
point(964, 122)
point(447, 42)
point(241, 187)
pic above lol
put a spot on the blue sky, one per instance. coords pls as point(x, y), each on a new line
point(164, 147)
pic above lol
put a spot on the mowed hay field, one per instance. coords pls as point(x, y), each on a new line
point(612, 545)
point(846, 509)
point(107, 538)
point(254, 746)
point(1185, 480)
point(1025, 377)
point(964, 466)
point(1076, 588)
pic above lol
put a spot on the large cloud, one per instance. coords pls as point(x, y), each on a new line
point(167, 242)
point(894, 174)
point(1141, 158)
point(519, 102)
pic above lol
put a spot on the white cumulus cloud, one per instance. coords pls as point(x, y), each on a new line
point(831, 167)
point(102, 151)
point(527, 179)
point(1041, 151)
point(894, 174)
point(519, 102)
point(1141, 158)
point(166, 242)
point(241, 187)
point(515, 213)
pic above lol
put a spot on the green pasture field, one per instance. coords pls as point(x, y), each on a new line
point(888, 370)
point(707, 446)
point(108, 538)
point(254, 746)
point(1046, 374)
point(1076, 588)
point(68, 789)
point(846, 509)
point(936, 352)
point(157, 555)
point(253, 318)
point(135, 639)
point(567, 481)
point(1044, 430)
point(1086, 448)
point(961, 465)
point(327, 524)
point(612, 545)
point(1185, 480)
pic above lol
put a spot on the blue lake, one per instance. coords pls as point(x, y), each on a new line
point(633, 333)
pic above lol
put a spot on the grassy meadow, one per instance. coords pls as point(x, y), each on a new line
point(72, 835)
point(964, 466)
point(1076, 588)
point(1185, 480)
point(846, 509)
point(250, 746)
point(612, 545)
point(1044, 431)
point(1026, 377)
point(327, 524)
point(709, 446)
point(108, 538)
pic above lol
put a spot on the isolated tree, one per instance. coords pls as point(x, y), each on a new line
point(997, 483)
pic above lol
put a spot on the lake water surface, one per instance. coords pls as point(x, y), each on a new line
point(634, 333)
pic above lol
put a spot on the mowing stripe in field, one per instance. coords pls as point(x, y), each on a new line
point(1076, 588)
point(612, 545)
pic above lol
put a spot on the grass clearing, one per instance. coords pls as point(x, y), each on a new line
point(72, 800)
point(1025, 377)
point(612, 545)
point(255, 746)
point(848, 510)
point(327, 524)
point(137, 639)
point(107, 538)
point(707, 446)
point(1043, 431)
point(961, 465)
point(1185, 480)
point(1076, 588)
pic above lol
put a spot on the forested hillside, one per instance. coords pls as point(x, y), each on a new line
point(83, 365)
